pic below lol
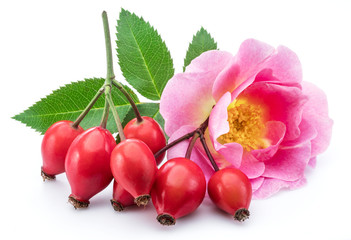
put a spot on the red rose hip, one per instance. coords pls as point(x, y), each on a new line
point(134, 167)
point(179, 189)
point(148, 131)
point(231, 191)
point(121, 198)
point(54, 147)
point(88, 165)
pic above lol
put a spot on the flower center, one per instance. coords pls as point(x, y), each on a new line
point(246, 126)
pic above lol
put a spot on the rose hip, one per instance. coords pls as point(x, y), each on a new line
point(54, 147)
point(121, 198)
point(148, 131)
point(231, 191)
point(179, 189)
point(88, 165)
point(134, 167)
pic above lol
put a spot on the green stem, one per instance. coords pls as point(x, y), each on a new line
point(87, 109)
point(129, 98)
point(105, 114)
point(110, 76)
point(115, 115)
point(191, 145)
point(110, 73)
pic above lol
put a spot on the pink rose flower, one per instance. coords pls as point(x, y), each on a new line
point(262, 118)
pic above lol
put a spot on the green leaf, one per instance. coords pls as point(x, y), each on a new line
point(143, 56)
point(69, 101)
point(201, 43)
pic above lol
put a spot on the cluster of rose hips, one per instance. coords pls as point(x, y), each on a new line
point(92, 159)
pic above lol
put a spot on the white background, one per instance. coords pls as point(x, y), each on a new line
point(46, 44)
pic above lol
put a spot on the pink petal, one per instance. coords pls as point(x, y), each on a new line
point(213, 61)
point(242, 87)
point(275, 135)
point(247, 63)
point(227, 80)
point(307, 133)
point(256, 183)
point(251, 166)
point(283, 67)
point(186, 100)
point(281, 103)
point(218, 122)
point(180, 149)
point(218, 125)
point(288, 163)
point(232, 152)
point(297, 184)
point(271, 186)
point(312, 162)
point(315, 112)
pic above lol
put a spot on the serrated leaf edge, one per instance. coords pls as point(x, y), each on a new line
point(202, 30)
point(158, 95)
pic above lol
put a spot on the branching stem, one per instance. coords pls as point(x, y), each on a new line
point(191, 145)
point(115, 115)
point(208, 153)
point(108, 82)
point(175, 142)
point(197, 133)
point(88, 108)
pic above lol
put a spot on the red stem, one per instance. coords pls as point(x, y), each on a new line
point(208, 153)
point(175, 142)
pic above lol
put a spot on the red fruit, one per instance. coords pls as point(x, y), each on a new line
point(54, 147)
point(179, 189)
point(134, 167)
point(148, 131)
point(231, 191)
point(88, 165)
point(121, 198)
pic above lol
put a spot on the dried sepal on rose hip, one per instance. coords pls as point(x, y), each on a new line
point(120, 197)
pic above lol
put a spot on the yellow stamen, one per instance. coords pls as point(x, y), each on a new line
point(246, 126)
